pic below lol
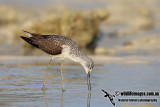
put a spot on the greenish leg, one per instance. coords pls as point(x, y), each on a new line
point(62, 98)
point(62, 76)
point(45, 79)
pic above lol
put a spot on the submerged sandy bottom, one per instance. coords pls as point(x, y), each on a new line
point(21, 81)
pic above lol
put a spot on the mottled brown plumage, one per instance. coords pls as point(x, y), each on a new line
point(51, 44)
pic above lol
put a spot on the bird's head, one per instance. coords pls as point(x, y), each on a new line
point(88, 66)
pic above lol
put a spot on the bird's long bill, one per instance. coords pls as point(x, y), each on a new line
point(88, 81)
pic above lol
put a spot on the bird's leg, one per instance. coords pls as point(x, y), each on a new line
point(88, 81)
point(62, 76)
point(62, 98)
point(45, 79)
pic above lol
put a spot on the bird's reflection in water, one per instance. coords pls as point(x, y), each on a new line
point(89, 98)
point(62, 98)
point(44, 97)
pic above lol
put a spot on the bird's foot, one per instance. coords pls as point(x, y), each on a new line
point(63, 89)
point(44, 87)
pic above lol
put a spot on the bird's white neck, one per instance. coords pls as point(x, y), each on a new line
point(80, 57)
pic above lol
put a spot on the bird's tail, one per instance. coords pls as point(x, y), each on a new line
point(30, 41)
point(31, 34)
point(28, 33)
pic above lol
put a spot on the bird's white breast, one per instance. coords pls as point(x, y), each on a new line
point(65, 53)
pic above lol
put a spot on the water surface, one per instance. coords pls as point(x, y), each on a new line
point(21, 83)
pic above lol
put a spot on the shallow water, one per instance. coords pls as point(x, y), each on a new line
point(21, 83)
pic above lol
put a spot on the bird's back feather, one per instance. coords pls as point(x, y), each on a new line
point(51, 44)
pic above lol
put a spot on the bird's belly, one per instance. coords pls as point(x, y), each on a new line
point(59, 56)
point(65, 54)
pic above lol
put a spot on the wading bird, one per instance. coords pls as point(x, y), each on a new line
point(60, 47)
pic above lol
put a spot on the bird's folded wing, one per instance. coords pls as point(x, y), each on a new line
point(49, 44)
